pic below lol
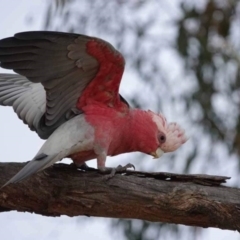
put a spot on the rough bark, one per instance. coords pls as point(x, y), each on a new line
point(195, 200)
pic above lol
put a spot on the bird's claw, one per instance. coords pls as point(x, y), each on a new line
point(113, 171)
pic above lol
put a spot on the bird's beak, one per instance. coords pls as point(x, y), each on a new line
point(158, 153)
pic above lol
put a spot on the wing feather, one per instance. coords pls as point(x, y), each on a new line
point(28, 99)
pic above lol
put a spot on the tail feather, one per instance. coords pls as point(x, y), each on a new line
point(32, 167)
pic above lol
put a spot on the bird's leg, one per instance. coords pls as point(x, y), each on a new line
point(111, 171)
point(101, 159)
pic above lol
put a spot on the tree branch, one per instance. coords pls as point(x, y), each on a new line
point(195, 200)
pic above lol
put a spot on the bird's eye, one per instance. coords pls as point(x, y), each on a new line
point(162, 138)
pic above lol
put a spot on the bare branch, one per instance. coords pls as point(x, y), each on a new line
point(195, 200)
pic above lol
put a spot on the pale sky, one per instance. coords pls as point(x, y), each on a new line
point(19, 144)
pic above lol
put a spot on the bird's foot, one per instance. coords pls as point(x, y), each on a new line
point(83, 167)
point(112, 171)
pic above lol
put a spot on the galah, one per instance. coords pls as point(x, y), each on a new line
point(67, 90)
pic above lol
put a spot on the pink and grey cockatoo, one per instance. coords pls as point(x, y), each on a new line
point(67, 91)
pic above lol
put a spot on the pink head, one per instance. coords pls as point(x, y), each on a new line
point(172, 137)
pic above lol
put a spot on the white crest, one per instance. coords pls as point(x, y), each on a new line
point(160, 121)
